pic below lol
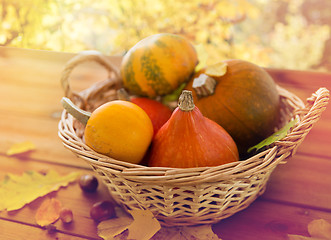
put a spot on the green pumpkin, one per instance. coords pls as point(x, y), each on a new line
point(245, 102)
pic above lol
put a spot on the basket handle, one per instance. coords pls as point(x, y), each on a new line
point(86, 56)
point(309, 115)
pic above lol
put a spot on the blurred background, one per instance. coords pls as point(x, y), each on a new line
point(290, 34)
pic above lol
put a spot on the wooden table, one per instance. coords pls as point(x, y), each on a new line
point(30, 93)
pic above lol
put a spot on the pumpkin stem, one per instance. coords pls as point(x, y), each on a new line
point(204, 85)
point(122, 94)
point(76, 112)
point(185, 101)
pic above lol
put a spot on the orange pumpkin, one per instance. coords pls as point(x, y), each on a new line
point(245, 102)
point(188, 139)
point(158, 64)
point(119, 129)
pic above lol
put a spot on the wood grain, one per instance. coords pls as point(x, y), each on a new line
point(11, 230)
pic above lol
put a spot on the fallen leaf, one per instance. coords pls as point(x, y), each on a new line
point(140, 225)
point(299, 237)
point(110, 228)
point(144, 225)
point(274, 137)
point(202, 56)
point(320, 228)
point(21, 147)
point(48, 212)
point(18, 190)
point(216, 70)
point(203, 232)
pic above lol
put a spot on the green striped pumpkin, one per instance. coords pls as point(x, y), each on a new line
point(158, 64)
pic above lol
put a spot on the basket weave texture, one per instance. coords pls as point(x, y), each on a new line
point(184, 196)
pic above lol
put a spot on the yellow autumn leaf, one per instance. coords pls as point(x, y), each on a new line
point(18, 190)
point(202, 56)
point(21, 147)
point(48, 212)
point(216, 70)
point(144, 225)
point(320, 228)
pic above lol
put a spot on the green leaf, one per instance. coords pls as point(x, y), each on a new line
point(274, 137)
point(174, 95)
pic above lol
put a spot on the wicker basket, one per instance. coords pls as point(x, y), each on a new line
point(184, 196)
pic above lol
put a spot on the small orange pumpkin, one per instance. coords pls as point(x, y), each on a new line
point(244, 101)
point(188, 139)
point(158, 64)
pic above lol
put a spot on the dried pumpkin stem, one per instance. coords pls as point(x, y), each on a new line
point(76, 112)
point(185, 101)
point(204, 85)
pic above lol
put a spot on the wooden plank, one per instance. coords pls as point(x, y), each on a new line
point(43, 133)
point(302, 180)
point(301, 79)
point(71, 196)
point(267, 220)
point(16, 230)
point(317, 142)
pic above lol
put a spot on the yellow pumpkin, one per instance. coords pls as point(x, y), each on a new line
point(158, 64)
point(119, 129)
